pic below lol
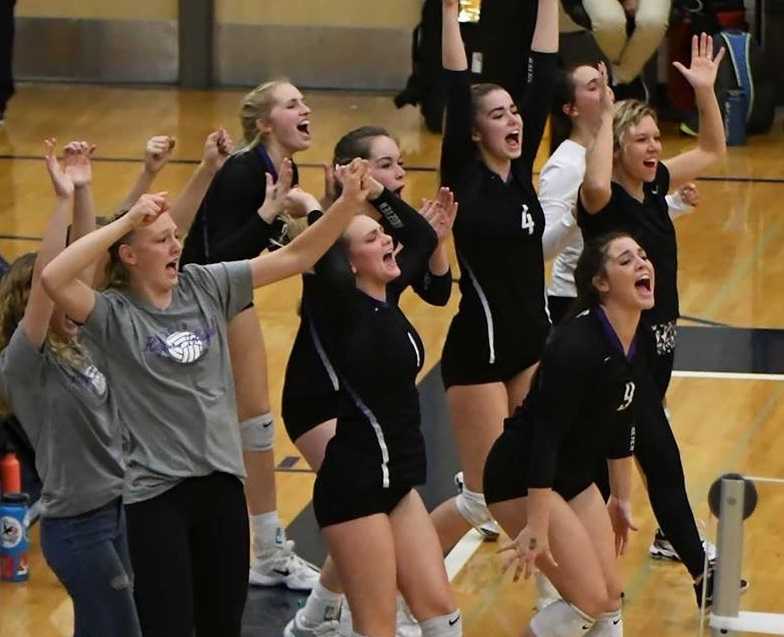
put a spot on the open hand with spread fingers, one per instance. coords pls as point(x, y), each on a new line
point(440, 212)
point(704, 66)
point(528, 547)
point(61, 182)
point(276, 191)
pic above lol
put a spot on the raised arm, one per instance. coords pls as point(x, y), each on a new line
point(38, 311)
point(61, 277)
point(596, 190)
point(77, 166)
point(711, 142)
point(545, 38)
point(157, 152)
point(537, 92)
point(457, 147)
point(302, 253)
point(217, 149)
point(453, 55)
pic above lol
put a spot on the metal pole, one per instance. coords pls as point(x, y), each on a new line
point(726, 586)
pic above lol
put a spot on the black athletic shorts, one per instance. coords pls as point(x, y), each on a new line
point(336, 500)
point(310, 396)
point(506, 471)
point(468, 360)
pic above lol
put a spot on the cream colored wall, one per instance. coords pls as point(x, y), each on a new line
point(100, 9)
point(388, 14)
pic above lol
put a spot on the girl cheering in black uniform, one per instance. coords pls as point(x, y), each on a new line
point(311, 388)
point(237, 220)
point(539, 476)
point(497, 336)
point(624, 188)
point(364, 498)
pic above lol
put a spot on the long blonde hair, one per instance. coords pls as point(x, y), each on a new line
point(257, 105)
point(14, 293)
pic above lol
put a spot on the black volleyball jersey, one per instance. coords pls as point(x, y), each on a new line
point(309, 370)
point(377, 355)
point(650, 223)
point(498, 230)
point(581, 407)
point(227, 226)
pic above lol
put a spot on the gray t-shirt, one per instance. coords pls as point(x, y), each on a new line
point(170, 372)
point(70, 416)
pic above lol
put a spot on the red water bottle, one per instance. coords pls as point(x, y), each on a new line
point(10, 473)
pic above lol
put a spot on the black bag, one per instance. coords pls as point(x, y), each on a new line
point(495, 53)
point(425, 86)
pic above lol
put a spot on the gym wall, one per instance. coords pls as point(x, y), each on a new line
point(97, 41)
point(316, 43)
point(362, 44)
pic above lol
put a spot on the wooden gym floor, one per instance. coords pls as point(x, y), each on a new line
point(727, 404)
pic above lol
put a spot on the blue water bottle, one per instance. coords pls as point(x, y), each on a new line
point(13, 537)
point(735, 117)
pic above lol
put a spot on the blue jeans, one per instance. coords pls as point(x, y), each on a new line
point(89, 555)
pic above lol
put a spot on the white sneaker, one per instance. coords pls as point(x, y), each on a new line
point(490, 531)
point(346, 624)
point(297, 627)
point(281, 565)
point(407, 625)
point(546, 593)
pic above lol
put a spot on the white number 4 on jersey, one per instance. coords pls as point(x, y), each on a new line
point(527, 220)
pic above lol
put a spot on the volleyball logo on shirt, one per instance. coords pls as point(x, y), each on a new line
point(628, 396)
point(95, 379)
point(527, 220)
point(185, 347)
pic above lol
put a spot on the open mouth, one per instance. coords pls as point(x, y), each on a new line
point(650, 163)
point(513, 139)
point(171, 267)
point(643, 283)
point(304, 127)
point(389, 258)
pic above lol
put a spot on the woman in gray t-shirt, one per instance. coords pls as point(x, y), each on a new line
point(51, 382)
point(163, 333)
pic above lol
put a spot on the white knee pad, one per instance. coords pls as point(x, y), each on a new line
point(472, 507)
point(561, 619)
point(607, 625)
point(443, 626)
point(258, 434)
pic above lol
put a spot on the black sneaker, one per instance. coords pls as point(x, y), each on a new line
point(744, 586)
